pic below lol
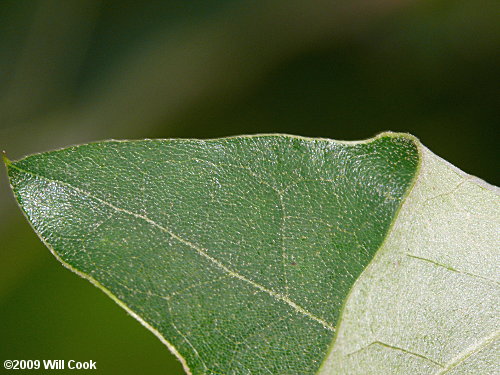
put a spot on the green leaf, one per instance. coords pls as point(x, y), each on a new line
point(429, 301)
point(279, 254)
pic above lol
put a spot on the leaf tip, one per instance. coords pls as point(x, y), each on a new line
point(6, 160)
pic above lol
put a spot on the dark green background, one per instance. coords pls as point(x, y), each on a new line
point(83, 70)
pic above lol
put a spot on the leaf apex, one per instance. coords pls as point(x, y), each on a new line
point(6, 160)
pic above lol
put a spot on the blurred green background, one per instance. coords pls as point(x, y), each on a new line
point(83, 70)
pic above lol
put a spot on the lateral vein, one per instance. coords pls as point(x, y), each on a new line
point(392, 347)
point(202, 252)
point(471, 350)
point(449, 268)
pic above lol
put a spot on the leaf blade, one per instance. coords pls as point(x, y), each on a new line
point(275, 172)
point(435, 280)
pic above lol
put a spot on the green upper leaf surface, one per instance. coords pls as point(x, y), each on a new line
point(238, 253)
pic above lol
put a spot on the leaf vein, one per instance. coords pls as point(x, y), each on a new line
point(392, 347)
point(471, 350)
point(202, 252)
point(449, 268)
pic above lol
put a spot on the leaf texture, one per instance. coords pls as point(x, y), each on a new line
point(268, 254)
point(429, 301)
